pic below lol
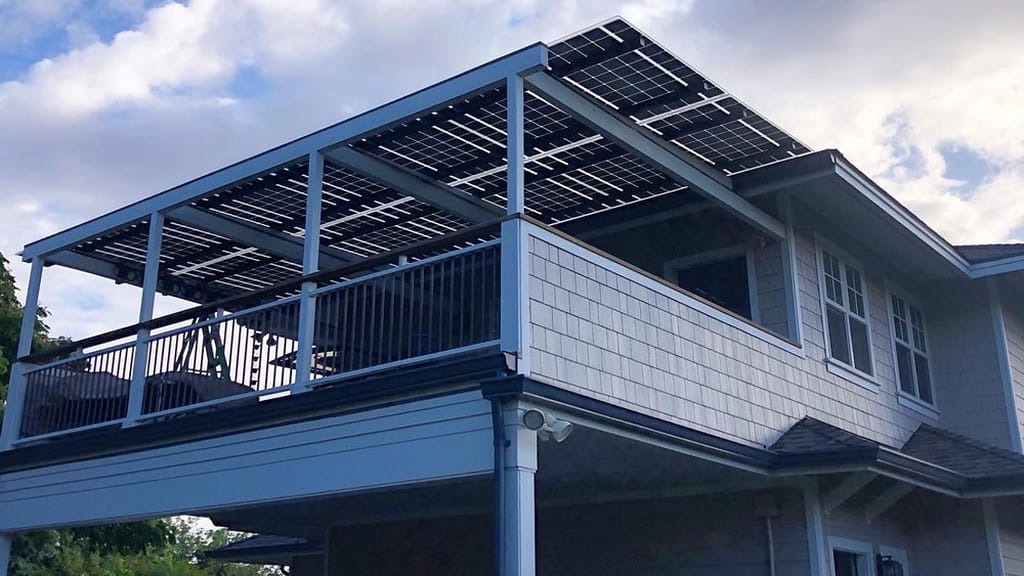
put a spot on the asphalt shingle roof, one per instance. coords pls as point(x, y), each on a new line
point(812, 436)
point(977, 253)
point(966, 456)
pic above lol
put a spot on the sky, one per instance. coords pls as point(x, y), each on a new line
point(104, 102)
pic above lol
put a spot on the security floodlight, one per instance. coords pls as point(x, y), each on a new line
point(547, 426)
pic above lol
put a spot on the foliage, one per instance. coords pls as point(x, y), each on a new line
point(172, 547)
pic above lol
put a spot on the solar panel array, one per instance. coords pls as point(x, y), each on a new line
point(571, 171)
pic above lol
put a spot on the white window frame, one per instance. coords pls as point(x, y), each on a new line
point(864, 549)
point(912, 401)
point(898, 554)
point(845, 369)
point(671, 269)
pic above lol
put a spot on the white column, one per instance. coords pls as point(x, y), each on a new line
point(514, 296)
point(16, 387)
point(310, 264)
point(149, 283)
point(518, 546)
point(515, 144)
point(816, 544)
point(5, 552)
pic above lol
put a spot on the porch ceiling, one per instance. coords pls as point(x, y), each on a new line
point(591, 466)
point(247, 235)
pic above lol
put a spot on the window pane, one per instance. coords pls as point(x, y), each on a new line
point(853, 285)
point(899, 319)
point(837, 335)
point(833, 282)
point(924, 380)
point(906, 372)
point(861, 349)
point(917, 321)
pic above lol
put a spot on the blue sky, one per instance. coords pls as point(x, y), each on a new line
point(103, 102)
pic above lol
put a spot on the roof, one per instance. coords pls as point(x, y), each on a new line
point(978, 253)
point(265, 549)
point(962, 460)
point(965, 455)
point(240, 229)
point(814, 436)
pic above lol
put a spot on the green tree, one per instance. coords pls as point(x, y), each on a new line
point(151, 548)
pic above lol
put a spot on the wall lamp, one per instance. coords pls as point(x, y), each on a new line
point(547, 426)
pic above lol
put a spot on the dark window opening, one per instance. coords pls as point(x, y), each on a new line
point(724, 282)
point(846, 563)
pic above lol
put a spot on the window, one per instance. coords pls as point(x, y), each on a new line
point(912, 372)
point(846, 313)
point(722, 276)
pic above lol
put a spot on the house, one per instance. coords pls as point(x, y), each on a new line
point(577, 310)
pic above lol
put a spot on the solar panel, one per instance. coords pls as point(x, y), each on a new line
point(571, 172)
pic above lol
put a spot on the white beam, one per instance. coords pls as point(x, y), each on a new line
point(515, 144)
point(853, 483)
point(714, 187)
point(534, 57)
point(447, 198)
point(270, 241)
point(886, 500)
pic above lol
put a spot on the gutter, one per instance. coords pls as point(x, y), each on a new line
point(879, 459)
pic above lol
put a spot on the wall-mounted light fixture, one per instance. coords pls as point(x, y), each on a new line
point(547, 426)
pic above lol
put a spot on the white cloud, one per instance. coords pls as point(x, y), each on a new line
point(192, 87)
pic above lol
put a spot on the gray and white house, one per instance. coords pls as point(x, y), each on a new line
point(575, 311)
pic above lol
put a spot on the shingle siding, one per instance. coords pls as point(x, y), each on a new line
point(965, 363)
point(601, 330)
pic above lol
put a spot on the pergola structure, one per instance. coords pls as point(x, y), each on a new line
point(603, 119)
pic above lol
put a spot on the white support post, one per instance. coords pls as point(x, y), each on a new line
point(310, 264)
point(515, 142)
point(816, 543)
point(149, 282)
point(518, 547)
point(5, 552)
point(514, 299)
point(512, 311)
point(16, 387)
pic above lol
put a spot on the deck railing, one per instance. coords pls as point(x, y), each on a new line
point(377, 314)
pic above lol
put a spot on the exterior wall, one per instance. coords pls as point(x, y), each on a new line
point(1014, 323)
point(948, 538)
point(424, 440)
point(695, 536)
point(965, 363)
point(601, 329)
point(771, 288)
